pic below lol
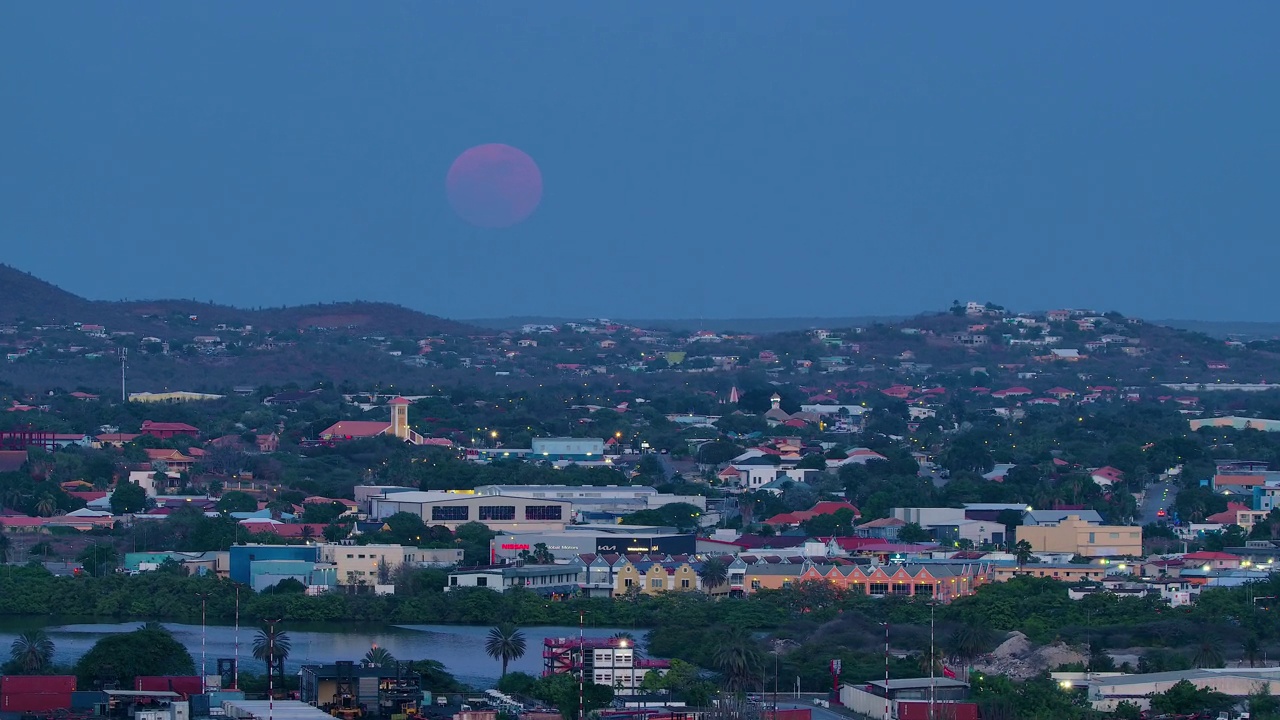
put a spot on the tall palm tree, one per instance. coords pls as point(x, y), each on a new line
point(46, 505)
point(379, 656)
point(738, 659)
point(506, 643)
point(272, 642)
point(1023, 551)
point(32, 651)
point(1252, 648)
point(1208, 654)
point(713, 574)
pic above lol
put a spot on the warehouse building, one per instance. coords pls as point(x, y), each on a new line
point(577, 540)
point(624, 499)
point(502, 514)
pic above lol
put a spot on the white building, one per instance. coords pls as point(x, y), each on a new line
point(500, 513)
point(544, 578)
point(596, 498)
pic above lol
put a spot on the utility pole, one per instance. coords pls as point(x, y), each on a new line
point(933, 661)
point(271, 661)
point(124, 356)
point(886, 670)
point(582, 667)
point(235, 678)
point(204, 672)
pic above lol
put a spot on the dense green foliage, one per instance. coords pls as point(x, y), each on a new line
point(149, 650)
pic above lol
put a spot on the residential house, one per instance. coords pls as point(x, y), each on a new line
point(173, 460)
point(883, 529)
point(165, 430)
point(1106, 476)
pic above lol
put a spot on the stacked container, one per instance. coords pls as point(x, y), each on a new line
point(36, 693)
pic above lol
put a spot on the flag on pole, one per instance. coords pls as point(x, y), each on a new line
point(948, 672)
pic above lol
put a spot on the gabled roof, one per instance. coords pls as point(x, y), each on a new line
point(356, 429)
point(168, 427)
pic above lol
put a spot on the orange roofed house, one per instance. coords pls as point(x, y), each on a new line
point(164, 430)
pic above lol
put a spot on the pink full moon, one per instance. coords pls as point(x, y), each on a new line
point(494, 186)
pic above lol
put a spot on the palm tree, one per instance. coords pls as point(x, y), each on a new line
point(32, 651)
point(713, 574)
point(1208, 654)
point(930, 665)
point(738, 659)
point(1024, 552)
point(272, 642)
point(378, 656)
point(1252, 648)
point(46, 505)
point(630, 640)
point(506, 643)
point(968, 642)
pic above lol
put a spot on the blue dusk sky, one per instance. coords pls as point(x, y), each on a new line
point(746, 159)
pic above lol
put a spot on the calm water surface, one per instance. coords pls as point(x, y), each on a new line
point(459, 647)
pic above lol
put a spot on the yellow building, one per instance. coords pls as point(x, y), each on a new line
point(1073, 535)
point(1065, 573)
point(653, 578)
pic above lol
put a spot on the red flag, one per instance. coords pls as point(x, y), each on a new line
point(948, 672)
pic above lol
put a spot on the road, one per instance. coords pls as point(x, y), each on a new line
point(1158, 496)
point(819, 713)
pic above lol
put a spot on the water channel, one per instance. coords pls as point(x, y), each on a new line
point(459, 647)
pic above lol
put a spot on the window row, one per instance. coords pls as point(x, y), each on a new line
point(462, 513)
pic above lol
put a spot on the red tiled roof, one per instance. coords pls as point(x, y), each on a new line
point(12, 460)
point(356, 429)
point(168, 427)
point(87, 495)
point(1207, 555)
point(883, 522)
point(827, 507)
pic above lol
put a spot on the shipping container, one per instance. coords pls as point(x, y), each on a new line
point(919, 710)
point(38, 684)
point(25, 702)
point(794, 714)
point(181, 684)
point(87, 699)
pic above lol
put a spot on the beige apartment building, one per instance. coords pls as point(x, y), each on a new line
point(1071, 534)
point(360, 564)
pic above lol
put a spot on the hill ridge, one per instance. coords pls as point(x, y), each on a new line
point(26, 297)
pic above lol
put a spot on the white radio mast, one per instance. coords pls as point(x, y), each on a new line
point(124, 355)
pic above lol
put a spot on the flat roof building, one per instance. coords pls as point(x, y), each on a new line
point(503, 514)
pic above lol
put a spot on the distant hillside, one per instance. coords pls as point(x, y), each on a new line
point(748, 325)
point(1226, 328)
point(26, 297)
